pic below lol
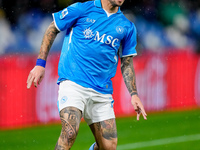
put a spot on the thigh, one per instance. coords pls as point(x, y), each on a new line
point(71, 94)
point(70, 119)
point(105, 133)
point(99, 108)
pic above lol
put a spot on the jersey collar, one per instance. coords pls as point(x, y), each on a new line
point(97, 3)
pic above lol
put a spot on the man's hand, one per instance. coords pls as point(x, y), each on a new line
point(36, 75)
point(139, 108)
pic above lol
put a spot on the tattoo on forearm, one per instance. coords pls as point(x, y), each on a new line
point(47, 41)
point(128, 74)
point(108, 128)
point(70, 119)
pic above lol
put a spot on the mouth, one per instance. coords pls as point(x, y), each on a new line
point(120, 1)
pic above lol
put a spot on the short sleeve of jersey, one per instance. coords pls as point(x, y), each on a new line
point(129, 42)
point(65, 18)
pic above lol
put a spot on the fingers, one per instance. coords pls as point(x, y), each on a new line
point(29, 80)
point(40, 80)
point(29, 77)
point(138, 116)
point(35, 76)
point(32, 79)
point(35, 82)
point(144, 115)
point(140, 110)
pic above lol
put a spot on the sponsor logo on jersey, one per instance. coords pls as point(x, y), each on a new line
point(90, 20)
point(63, 13)
point(88, 33)
point(107, 39)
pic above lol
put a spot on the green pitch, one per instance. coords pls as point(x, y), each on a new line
point(162, 131)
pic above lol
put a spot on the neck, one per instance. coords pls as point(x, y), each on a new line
point(106, 4)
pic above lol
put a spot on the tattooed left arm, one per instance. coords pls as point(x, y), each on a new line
point(128, 74)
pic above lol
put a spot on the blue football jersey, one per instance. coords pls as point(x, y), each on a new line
point(89, 55)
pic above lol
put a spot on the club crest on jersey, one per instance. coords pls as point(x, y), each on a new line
point(120, 29)
point(88, 33)
point(63, 13)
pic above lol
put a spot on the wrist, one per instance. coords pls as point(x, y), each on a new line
point(41, 62)
point(134, 94)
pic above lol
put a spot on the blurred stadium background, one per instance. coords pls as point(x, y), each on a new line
point(167, 71)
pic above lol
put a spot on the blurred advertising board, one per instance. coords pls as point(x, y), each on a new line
point(166, 81)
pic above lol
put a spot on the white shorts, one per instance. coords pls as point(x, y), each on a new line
point(95, 106)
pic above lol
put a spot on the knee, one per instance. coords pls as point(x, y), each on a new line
point(108, 145)
point(112, 145)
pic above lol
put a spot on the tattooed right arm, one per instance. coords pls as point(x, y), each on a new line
point(37, 73)
point(48, 40)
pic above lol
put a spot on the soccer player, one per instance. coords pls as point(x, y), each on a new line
point(94, 32)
